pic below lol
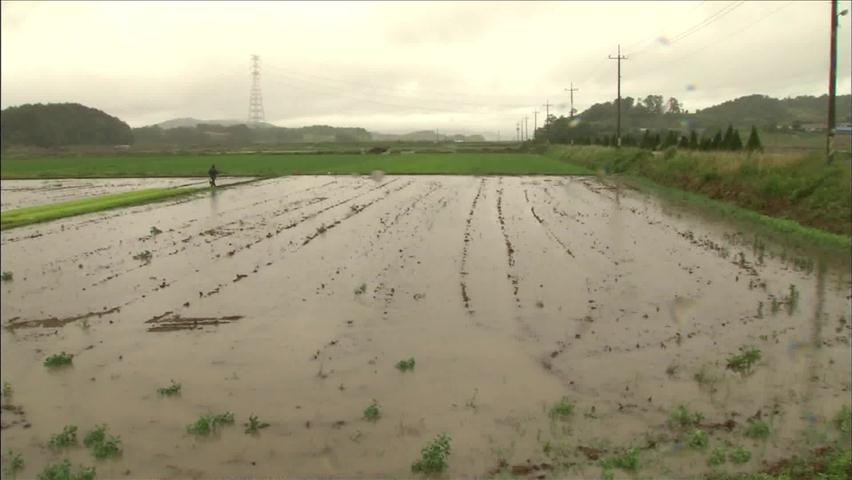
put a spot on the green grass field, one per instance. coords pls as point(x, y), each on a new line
point(167, 165)
point(42, 213)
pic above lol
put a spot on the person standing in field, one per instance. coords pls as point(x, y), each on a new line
point(212, 173)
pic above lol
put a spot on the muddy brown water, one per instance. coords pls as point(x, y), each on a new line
point(510, 292)
point(28, 193)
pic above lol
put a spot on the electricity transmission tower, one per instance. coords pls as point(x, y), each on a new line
point(572, 90)
point(256, 99)
point(618, 57)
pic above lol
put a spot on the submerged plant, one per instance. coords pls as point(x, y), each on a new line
point(433, 457)
point(7, 391)
point(698, 440)
point(742, 363)
point(254, 425)
point(361, 289)
point(65, 439)
point(563, 408)
point(739, 455)
point(58, 360)
point(717, 457)
point(6, 276)
point(372, 412)
point(843, 419)
point(102, 445)
point(208, 424)
point(757, 429)
point(14, 463)
point(681, 417)
point(627, 460)
point(62, 471)
point(405, 365)
point(170, 391)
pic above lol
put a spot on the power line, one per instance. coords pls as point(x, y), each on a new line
point(619, 58)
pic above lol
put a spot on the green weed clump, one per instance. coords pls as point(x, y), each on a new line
point(843, 419)
point(14, 463)
point(681, 417)
point(562, 409)
point(739, 455)
point(254, 425)
point(698, 440)
point(757, 429)
point(58, 360)
point(209, 424)
point(433, 457)
point(62, 471)
point(405, 365)
point(65, 439)
point(172, 390)
point(372, 413)
point(143, 256)
point(102, 445)
point(627, 460)
point(7, 391)
point(742, 363)
point(717, 457)
point(6, 276)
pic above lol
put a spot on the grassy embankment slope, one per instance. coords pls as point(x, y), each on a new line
point(43, 213)
point(791, 193)
point(166, 165)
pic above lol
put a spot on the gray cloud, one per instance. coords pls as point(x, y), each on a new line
point(478, 66)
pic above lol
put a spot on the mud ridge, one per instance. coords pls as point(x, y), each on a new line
point(54, 322)
point(466, 247)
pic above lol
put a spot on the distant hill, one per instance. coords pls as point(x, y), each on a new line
point(194, 122)
point(56, 124)
point(425, 136)
point(767, 113)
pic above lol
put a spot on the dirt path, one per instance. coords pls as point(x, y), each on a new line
point(292, 299)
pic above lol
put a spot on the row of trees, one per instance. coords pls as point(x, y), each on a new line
point(662, 140)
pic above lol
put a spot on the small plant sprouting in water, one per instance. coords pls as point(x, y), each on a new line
point(102, 445)
point(629, 460)
point(681, 417)
point(62, 471)
point(792, 299)
point(155, 231)
point(361, 289)
point(143, 256)
point(6, 276)
point(14, 463)
point(698, 440)
point(254, 425)
point(208, 424)
point(776, 305)
point(757, 429)
point(717, 457)
point(170, 391)
point(433, 457)
point(743, 362)
point(740, 455)
point(65, 439)
point(371, 413)
point(7, 391)
point(843, 419)
point(562, 409)
point(405, 365)
point(58, 360)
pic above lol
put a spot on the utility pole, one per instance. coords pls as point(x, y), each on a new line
point(535, 122)
point(618, 57)
point(832, 82)
point(572, 90)
point(526, 128)
point(256, 99)
point(547, 106)
point(518, 131)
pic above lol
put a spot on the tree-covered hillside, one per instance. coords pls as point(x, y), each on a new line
point(56, 124)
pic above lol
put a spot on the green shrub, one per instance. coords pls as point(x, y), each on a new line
point(681, 417)
point(62, 471)
point(433, 457)
point(562, 409)
point(58, 360)
point(209, 424)
point(405, 365)
point(65, 439)
point(698, 440)
point(757, 429)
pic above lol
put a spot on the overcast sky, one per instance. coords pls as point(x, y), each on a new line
point(402, 66)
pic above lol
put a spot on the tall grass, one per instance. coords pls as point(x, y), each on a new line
point(799, 187)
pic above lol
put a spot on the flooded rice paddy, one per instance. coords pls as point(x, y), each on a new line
point(293, 300)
